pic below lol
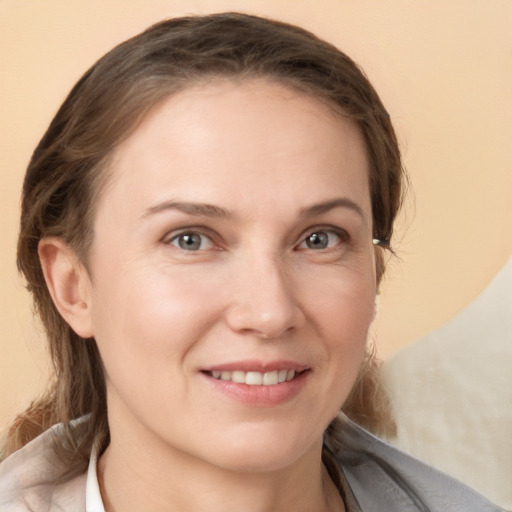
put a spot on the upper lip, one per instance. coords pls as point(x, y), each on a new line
point(258, 366)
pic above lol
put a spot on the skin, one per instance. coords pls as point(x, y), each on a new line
point(254, 290)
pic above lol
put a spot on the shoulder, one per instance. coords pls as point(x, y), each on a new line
point(383, 478)
point(30, 479)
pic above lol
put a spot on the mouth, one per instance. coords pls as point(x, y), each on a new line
point(257, 383)
point(255, 378)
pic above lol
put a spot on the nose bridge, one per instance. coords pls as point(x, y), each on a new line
point(264, 300)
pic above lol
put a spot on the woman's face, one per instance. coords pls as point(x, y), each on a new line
point(232, 251)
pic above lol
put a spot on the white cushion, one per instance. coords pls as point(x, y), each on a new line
point(452, 393)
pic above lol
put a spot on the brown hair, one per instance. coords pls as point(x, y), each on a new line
point(67, 173)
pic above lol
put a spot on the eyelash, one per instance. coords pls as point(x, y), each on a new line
point(189, 232)
point(316, 236)
point(313, 234)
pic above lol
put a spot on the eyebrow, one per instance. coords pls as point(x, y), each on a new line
point(198, 209)
point(209, 210)
point(324, 207)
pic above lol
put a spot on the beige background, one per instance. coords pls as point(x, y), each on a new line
point(442, 67)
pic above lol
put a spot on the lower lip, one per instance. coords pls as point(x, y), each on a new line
point(260, 396)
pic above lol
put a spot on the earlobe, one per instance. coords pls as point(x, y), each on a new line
point(68, 283)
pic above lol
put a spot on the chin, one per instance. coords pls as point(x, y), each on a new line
point(243, 462)
point(263, 451)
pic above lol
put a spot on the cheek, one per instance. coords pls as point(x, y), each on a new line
point(145, 325)
point(148, 310)
point(148, 319)
point(345, 309)
point(345, 302)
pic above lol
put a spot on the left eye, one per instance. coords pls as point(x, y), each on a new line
point(191, 241)
point(321, 239)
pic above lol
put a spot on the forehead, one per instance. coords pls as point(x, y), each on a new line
point(230, 134)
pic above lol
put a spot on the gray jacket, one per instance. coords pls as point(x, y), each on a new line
point(375, 478)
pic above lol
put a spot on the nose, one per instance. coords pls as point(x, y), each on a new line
point(263, 300)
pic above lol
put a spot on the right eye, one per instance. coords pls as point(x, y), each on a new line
point(191, 241)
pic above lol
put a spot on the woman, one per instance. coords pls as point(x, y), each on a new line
point(202, 231)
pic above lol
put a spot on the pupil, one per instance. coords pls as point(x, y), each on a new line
point(190, 242)
point(318, 240)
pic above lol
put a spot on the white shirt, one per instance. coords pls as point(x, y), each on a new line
point(93, 501)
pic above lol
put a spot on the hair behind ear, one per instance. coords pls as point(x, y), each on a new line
point(77, 387)
point(369, 404)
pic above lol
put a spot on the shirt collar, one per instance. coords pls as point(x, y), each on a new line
point(93, 501)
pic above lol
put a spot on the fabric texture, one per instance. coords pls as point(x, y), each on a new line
point(28, 479)
point(452, 393)
point(380, 478)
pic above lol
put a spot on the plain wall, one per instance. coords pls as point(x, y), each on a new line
point(443, 69)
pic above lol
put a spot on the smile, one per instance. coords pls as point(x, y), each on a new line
point(253, 378)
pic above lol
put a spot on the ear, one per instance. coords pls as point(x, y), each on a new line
point(68, 283)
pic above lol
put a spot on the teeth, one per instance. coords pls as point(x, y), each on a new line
point(270, 378)
point(255, 378)
point(238, 377)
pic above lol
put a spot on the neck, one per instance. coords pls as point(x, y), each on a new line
point(164, 479)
